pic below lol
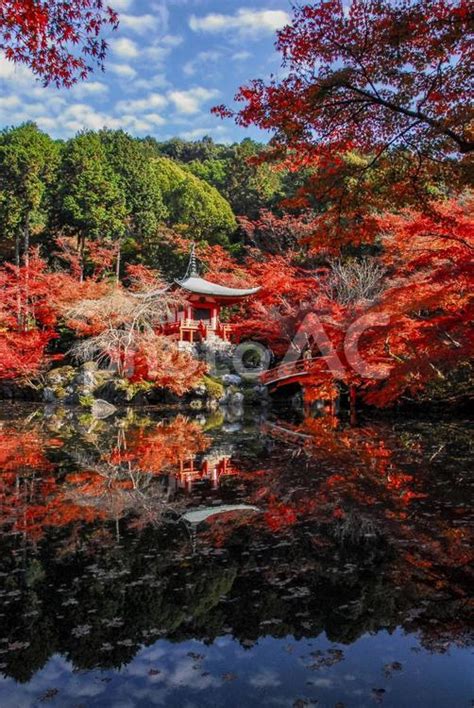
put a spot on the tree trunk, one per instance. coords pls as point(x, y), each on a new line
point(26, 259)
point(26, 243)
point(352, 404)
point(81, 244)
point(18, 290)
point(17, 249)
point(118, 262)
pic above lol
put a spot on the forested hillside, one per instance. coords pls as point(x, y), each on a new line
point(110, 188)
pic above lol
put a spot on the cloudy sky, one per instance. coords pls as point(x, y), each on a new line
point(169, 62)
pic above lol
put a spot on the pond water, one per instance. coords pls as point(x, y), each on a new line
point(157, 559)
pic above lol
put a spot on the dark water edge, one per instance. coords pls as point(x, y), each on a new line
point(340, 572)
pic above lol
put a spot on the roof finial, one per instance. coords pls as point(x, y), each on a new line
point(192, 271)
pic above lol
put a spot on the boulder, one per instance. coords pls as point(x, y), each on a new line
point(231, 380)
point(61, 376)
point(115, 391)
point(102, 409)
point(86, 379)
point(49, 395)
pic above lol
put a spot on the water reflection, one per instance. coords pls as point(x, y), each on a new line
point(362, 549)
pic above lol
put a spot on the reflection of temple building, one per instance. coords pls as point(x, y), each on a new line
point(211, 467)
point(199, 318)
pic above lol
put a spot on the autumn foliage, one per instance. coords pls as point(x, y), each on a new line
point(59, 41)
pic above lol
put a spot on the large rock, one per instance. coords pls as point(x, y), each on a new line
point(59, 385)
point(102, 409)
point(115, 391)
point(61, 376)
point(87, 377)
point(231, 380)
point(49, 395)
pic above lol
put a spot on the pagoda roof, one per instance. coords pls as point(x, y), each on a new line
point(200, 286)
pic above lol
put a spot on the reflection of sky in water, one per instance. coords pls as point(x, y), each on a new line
point(273, 672)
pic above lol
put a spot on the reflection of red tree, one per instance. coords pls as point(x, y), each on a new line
point(31, 498)
point(22, 450)
point(279, 515)
point(165, 445)
point(123, 479)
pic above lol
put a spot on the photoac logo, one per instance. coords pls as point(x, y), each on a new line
point(310, 345)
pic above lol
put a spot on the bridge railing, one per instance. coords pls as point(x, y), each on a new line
point(301, 367)
point(291, 368)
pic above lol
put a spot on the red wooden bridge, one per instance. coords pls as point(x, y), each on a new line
point(289, 373)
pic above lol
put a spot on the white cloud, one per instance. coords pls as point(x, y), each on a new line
point(264, 679)
point(21, 75)
point(154, 118)
point(219, 132)
point(121, 5)
point(191, 100)
point(162, 13)
point(245, 22)
point(8, 102)
point(160, 49)
point(125, 71)
point(140, 24)
point(172, 40)
point(154, 82)
point(124, 48)
point(132, 123)
point(47, 123)
point(191, 67)
point(241, 56)
point(155, 53)
point(89, 88)
point(153, 100)
point(80, 115)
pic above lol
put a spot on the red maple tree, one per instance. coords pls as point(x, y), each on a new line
point(59, 41)
point(375, 102)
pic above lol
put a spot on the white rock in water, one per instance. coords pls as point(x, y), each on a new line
point(231, 380)
point(102, 409)
point(197, 516)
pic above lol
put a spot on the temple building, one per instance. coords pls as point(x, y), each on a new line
point(199, 318)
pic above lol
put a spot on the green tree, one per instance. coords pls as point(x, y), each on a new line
point(143, 198)
point(194, 206)
point(213, 171)
point(28, 165)
point(91, 198)
point(250, 187)
point(191, 150)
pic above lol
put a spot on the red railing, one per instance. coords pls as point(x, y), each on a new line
point(289, 370)
point(220, 328)
point(301, 367)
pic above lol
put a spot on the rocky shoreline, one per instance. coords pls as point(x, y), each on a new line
point(102, 391)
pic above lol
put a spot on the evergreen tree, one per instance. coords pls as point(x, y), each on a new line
point(194, 205)
point(91, 198)
point(250, 187)
point(143, 198)
point(28, 164)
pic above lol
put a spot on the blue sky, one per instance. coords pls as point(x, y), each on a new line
point(168, 63)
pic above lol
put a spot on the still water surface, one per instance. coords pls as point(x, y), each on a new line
point(332, 566)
